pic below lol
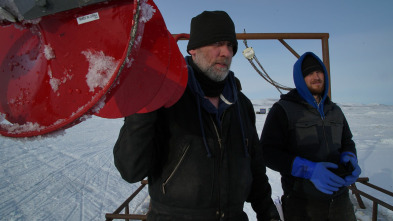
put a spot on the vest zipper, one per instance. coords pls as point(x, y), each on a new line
point(324, 134)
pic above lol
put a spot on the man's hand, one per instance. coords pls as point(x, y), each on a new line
point(350, 157)
point(318, 173)
point(325, 180)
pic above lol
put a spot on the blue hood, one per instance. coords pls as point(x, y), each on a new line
point(301, 86)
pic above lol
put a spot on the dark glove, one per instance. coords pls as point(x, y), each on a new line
point(318, 173)
point(346, 157)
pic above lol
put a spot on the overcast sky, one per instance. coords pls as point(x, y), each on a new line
point(360, 42)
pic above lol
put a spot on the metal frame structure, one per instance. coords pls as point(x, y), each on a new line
point(376, 202)
point(281, 37)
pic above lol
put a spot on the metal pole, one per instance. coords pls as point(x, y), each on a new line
point(267, 36)
point(289, 48)
point(357, 195)
point(273, 36)
point(326, 61)
point(375, 211)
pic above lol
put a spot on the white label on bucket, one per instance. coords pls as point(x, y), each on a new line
point(88, 18)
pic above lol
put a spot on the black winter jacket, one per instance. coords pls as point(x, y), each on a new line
point(300, 131)
point(200, 165)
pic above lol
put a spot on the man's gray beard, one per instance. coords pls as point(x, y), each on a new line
point(210, 72)
point(216, 76)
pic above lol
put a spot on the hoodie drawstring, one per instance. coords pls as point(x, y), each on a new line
point(209, 155)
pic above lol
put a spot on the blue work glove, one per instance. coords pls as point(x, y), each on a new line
point(346, 157)
point(318, 173)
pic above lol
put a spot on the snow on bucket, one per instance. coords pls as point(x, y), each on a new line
point(111, 59)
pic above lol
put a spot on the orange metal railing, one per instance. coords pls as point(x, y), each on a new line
point(376, 202)
point(125, 206)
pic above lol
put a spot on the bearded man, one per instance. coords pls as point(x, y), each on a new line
point(201, 155)
point(306, 138)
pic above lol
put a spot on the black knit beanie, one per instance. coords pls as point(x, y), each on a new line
point(210, 27)
point(310, 64)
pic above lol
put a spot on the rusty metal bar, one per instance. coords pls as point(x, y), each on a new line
point(269, 36)
point(127, 210)
point(289, 48)
point(377, 188)
point(362, 179)
point(125, 205)
point(376, 201)
point(357, 195)
point(326, 60)
point(128, 216)
point(273, 36)
point(375, 211)
point(324, 37)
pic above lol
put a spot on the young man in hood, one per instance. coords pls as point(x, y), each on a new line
point(201, 156)
point(306, 138)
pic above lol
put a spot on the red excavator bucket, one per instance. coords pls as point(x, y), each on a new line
point(110, 59)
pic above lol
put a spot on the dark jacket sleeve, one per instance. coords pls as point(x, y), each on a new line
point(135, 148)
point(261, 193)
point(274, 141)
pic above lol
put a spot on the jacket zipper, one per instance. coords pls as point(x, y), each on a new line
point(216, 129)
point(175, 169)
point(219, 163)
point(218, 136)
point(324, 129)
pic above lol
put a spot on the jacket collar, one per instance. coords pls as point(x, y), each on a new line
point(227, 97)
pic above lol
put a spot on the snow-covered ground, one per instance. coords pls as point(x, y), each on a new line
point(70, 175)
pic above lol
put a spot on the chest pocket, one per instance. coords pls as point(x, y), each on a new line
point(306, 133)
point(336, 130)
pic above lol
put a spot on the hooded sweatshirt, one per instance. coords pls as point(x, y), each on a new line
point(301, 86)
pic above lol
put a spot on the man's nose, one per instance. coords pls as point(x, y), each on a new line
point(226, 51)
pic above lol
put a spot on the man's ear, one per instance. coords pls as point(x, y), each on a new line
point(192, 52)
